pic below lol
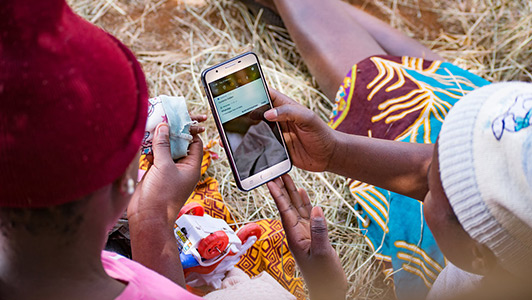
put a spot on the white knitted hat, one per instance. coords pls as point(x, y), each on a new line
point(485, 156)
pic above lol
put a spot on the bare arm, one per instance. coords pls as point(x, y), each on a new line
point(395, 166)
point(157, 201)
point(153, 245)
point(306, 233)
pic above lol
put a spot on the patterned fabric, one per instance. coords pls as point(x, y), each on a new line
point(207, 194)
point(270, 253)
point(400, 98)
point(404, 99)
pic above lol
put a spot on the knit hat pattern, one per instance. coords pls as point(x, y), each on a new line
point(485, 156)
point(73, 105)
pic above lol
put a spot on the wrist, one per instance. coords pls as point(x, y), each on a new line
point(335, 289)
point(138, 212)
point(328, 295)
point(338, 155)
point(143, 225)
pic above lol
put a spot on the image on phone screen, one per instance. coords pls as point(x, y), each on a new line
point(241, 101)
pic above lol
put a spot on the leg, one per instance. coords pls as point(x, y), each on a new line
point(328, 38)
point(390, 39)
point(359, 34)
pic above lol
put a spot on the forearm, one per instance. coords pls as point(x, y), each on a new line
point(395, 166)
point(153, 244)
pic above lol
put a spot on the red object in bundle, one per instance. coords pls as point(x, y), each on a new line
point(213, 245)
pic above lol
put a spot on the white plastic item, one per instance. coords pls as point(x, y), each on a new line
point(191, 230)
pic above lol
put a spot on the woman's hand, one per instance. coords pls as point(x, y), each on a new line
point(166, 186)
point(310, 141)
point(157, 200)
point(396, 166)
point(306, 232)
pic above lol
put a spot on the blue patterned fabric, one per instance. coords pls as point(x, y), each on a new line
point(407, 100)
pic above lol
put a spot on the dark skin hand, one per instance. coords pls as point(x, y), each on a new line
point(306, 232)
point(170, 183)
point(309, 140)
point(314, 146)
point(157, 201)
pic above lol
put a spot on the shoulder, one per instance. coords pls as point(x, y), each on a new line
point(142, 283)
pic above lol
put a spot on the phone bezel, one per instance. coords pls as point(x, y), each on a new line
point(219, 71)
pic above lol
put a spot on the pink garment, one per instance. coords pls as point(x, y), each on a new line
point(142, 283)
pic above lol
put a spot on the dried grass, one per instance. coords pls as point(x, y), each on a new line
point(175, 40)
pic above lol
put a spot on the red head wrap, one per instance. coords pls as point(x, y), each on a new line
point(73, 105)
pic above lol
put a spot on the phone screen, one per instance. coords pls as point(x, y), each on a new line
point(241, 101)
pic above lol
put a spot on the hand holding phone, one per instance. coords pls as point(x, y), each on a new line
point(309, 139)
point(238, 97)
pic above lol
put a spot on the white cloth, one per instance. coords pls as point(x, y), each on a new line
point(238, 285)
point(452, 282)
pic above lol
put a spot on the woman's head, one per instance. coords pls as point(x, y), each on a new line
point(455, 243)
point(484, 157)
point(73, 105)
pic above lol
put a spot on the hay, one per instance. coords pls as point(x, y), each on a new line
point(176, 39)
point(492, 38)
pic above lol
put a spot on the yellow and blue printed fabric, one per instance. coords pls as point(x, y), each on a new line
point(404, 99)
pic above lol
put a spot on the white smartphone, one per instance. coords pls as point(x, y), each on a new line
point(238, 97)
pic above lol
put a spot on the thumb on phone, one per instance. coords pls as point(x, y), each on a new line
point(286, 109)
point(291, 112)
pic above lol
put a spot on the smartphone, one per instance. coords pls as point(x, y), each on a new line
point(238, 97)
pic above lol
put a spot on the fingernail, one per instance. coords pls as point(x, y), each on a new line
point(271, 114)
point(317, 213)
point(162, 129)
point(204, 116)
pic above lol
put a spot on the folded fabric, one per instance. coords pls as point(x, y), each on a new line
point(238, 285)
point(174, 112)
